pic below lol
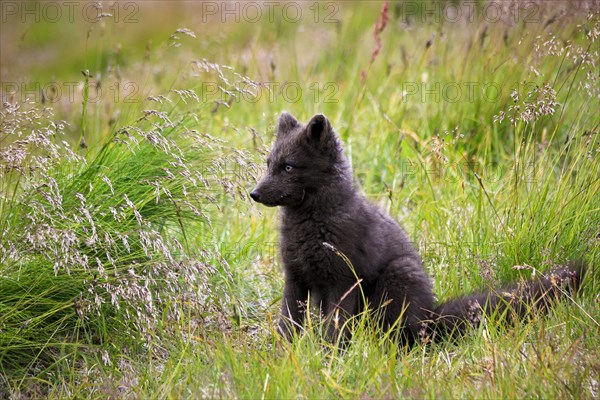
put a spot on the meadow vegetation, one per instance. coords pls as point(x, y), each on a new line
point(133, 263)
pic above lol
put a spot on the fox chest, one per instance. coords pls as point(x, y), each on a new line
point(313, 254)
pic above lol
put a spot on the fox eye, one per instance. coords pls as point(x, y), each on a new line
point(288, 168)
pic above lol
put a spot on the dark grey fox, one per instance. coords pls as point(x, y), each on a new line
point(345, 256)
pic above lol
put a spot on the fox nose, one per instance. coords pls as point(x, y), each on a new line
point(255, 196)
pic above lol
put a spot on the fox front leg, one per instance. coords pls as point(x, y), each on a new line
point(293, 309)
point(341, 307)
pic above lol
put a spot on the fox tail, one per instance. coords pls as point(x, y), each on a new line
point(454, 317)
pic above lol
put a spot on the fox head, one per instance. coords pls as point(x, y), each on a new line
point(304, 160)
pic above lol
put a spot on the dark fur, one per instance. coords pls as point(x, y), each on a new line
point(324, 218)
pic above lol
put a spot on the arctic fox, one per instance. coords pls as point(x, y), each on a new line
point(347, 256)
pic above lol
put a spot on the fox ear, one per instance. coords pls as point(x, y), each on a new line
point(287, 122)
point(318, 128)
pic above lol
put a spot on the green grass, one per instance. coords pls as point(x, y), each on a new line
point(137, 266)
